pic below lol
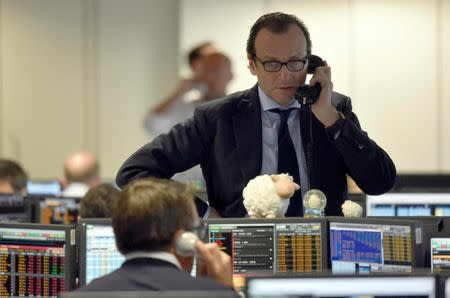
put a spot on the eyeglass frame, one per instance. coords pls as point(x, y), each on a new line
point(200, 229)
point(304, 60)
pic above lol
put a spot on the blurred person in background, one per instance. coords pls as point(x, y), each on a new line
point(13, 178)
point(99, 201)
point(81, 172)
point(211, 74)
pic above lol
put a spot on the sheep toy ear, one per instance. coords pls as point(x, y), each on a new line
point(284, 186)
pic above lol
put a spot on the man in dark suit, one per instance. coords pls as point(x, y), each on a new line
point(149, 219)
point(244, 134)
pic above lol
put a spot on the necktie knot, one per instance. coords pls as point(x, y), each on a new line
point(284, 114)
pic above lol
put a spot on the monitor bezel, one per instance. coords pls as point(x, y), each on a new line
point(321, 221)
point(381, 221)
point(328, 275)
point(69, 250)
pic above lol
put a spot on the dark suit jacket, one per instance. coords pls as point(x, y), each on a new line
point(146, 274)
point(225, 137)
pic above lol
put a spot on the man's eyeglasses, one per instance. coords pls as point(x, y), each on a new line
point(274, 66)
point(201, 230)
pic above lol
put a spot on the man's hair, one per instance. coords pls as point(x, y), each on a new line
point(276, 22)
point(196, 52)
point(13, 173)
point(99, 201)
point(149, 212)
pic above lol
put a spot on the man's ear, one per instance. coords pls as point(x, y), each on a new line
point(251, 64)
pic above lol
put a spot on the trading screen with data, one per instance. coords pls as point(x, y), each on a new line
point(101, 255)
point(366, 247)
point(270, 247)
point(440, 254)
point(32, 262)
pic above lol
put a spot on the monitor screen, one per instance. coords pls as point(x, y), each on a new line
point(409, 204)
point(98, 252)
point(365, 247)
point(58, 210)
point(12, 208)
point(440, 254)
point(342, 286)
point(52, 210)
point(36, 260)
point(50, 187)
point(270, 246)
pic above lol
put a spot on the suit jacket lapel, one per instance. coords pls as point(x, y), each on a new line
point(247, 126)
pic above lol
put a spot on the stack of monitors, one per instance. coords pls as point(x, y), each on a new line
point(338, 286)
point(53, 210)
point(263, 246)
point(409, 204)
point(371, 245)
point(47, 187)
point(440, 254)
point(98, 252)
point(12, 208)
point(36, 260)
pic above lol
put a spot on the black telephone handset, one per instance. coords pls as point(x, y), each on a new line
point(307, 94)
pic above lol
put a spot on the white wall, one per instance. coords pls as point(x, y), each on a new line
point(83, 73)
point(42, 86)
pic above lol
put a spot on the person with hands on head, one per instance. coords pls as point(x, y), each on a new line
point(266, 130)
point(149, 219)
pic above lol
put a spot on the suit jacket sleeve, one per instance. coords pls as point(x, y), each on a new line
point(367, 163)
point(180, 149)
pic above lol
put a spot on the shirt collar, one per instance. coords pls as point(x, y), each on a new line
point(160, 255)
point(268, 103)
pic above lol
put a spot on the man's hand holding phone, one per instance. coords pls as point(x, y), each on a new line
point(322, 107)
point(214, 263)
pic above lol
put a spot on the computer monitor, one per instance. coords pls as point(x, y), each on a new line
point(409, 204)
point(371, 245)
point(425, 227)
point(52, 210)
point(440, 253)
point(44, 187)
point(12, 208)
point(98, 254)
point(342, 286)
point(36, 260)
point(420, 181)
point(267, 246)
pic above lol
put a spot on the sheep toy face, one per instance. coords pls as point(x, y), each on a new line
point(269, 196)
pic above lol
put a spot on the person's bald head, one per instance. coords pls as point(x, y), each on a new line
point(217, 74)
point(81, 166)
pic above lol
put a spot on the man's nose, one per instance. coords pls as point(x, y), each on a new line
point(285, 73)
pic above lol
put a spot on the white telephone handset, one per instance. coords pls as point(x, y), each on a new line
point(185, 244)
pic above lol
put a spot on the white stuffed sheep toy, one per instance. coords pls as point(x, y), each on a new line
point(269, 196)
point(351, 209)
